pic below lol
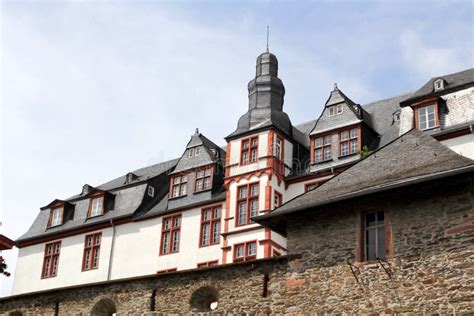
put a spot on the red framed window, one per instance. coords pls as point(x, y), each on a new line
point(167, 271)
point(247, 203)
point(310, 186)
point(179, 186)
point(278, 148)
point(90, 260)
point(51, 260)
point(249, 150)
point(203, 179)
point(348, 142)
point(56, 216)
point(210, 226)
point(207, 264)
point(170, 234)
point(374, 236)
point(245, 251)
point(96, 206)
point(323, 148)
point(277, 199)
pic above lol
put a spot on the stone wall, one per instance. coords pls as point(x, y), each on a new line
point(431, 269)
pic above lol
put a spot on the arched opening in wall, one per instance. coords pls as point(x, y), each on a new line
point(204, 299)
point(16, 313)
point(104, 307)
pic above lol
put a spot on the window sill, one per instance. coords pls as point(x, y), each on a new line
point(202, 191)
point(177, 197)
point(169, 253)
point(348, 155)
point(90, 217)
point(54, 226)
point(91, 269)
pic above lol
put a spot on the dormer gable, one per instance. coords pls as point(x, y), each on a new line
point(59, 212)
point(197, 168)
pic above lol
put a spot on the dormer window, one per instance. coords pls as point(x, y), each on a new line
point(96, 206)
point(191, 152)
point(130, 177)
point(426, 117)
point(349, 142)
point(322, 149)
point(438, 84)
point(335, 110)
point(179, 186)
point(151, 191)
point(203, 179)
point(56, 216)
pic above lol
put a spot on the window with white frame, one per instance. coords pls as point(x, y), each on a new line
point(245, 251)
point(322, 149)
point(335, 110)
point(203, 179)
point(179, 185)
point(170, 234)
point(56, 216)
point(151, 191)
point(247, 203)
point(348, 142)
point(426, 117)
point(278, 148)
point(374, 241)
point(96, 206)
point(210, 226)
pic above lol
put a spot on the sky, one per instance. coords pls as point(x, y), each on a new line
point(90, 90)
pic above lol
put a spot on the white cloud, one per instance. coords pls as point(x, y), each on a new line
point(426, 60)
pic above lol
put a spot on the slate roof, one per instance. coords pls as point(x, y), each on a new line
point(128, 197)
point(452, 82)
point(266, 94)
point(412, 157)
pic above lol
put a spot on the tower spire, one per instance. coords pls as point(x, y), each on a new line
point(268, 35)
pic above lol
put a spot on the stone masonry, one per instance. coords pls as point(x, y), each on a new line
point(430, 269)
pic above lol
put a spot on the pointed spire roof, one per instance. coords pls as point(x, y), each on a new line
point(337, 96)
point(412, 158)
point(204, 152)
point(266, 94)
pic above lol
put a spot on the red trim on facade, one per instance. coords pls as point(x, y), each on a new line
point(167, 271)
point(248, 200)
point(171, 227)
point(227, 159)
point(51, 260)
point(459, 133)
point(207, 264)
point(246, 245)
point(91, 249)
point(273, 243)
point(240, 231)
point(210, 222)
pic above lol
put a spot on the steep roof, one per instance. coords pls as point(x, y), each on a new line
point(452, 82)
point(412, 157)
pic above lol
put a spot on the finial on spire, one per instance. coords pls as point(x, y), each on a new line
point(335, 86)
point(268, 35)
point(197, 131)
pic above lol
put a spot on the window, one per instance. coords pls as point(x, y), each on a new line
point(348, 142)
point(335, 110)
point(207, 264)
point(278, 148)
point(277, 199)
point(96, 206)
point(197, 151)
point(51, 260)
point(310, 186)
point(247, 203)
point(190, 152)
point(179, 185)
point(151, 191)
point(90, 260)
point(245, 251)
point(249, 150)
point(56, 216)
point(439, 85)
point(322, 149)
point(210, 226)
point(203, 179)
point(170, 234)
point(426, 117)
point(374, 240)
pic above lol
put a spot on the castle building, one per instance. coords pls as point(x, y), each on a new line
point(197, 211)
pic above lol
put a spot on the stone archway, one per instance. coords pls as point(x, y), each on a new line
point(104, 307)
point(204, 299)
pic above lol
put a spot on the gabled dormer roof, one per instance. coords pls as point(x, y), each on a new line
point(199, 151)
point(410, 159)
point(352, 113)
point(452, 82)
point(55, 202)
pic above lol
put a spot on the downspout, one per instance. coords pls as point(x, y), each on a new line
point(109, 272)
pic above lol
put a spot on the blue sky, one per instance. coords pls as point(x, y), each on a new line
point(93, 89)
